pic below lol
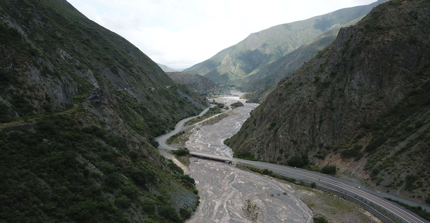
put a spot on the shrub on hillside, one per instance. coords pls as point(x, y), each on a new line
point(123, 202)
point(245, 155)
point(320, 220)
point(185, 214)
point(169, 213)
point(181, 152)
point(143, 177)
point(113, 180)
point(410, 179)
point(298, 161)
point(313, 185)
point(175, 167)
point(375, 143)
point(329, 169)
point(353, 152)
point(4, 113)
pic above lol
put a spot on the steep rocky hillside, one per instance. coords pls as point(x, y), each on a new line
point(285, 66)
point(229, 66)
point(198, 83)
point(260, 95)
point(361, 104)
point(79, 109)
point(166, 68)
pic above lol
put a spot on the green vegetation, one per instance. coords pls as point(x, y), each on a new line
point(416, 209)
point(375, 143)
point(47, 172)
point(298, 161)
point(174, 167)
point(175, 137)
point(86, 158)
point(185, 214)
point(216, 119)
point(320, 219)
point(211, 112)
point(320, 155)
point(188, 182)
point(247, 68)
point(245, 156)
point(313, 185)
point(151, 125)
point(4, 113)
point(354, 152)
point(270, 173)
point(251, 210)
point(219, 105)
point(237, 104)
point(361, 120)
point(181, 152)
point(329, 169)
point(395, 2)
point(410, 180)
point(89, 49)
point(274, 126)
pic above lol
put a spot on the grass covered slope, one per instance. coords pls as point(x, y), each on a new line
point(285, 66)
point(360, 104)
point(230, 65)
point(79, 109)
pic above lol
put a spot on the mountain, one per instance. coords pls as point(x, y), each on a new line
point(166, 68)
point(79, 109)
point(361, 104)
point(229, 66)
point(285, 66)
point(199, 84)
point(262, 82)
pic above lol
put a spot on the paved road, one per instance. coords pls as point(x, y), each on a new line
point(339, 184)
point(336, 183)
point(163, 139)
point(212, 157)
point(332, 182)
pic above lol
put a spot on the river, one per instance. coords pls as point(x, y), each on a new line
point(228, 194)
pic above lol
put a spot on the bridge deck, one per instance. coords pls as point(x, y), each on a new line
point(212, 157)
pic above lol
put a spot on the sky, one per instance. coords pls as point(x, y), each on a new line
point(181, 33)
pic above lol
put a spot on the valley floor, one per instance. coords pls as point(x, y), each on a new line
point(229, 194)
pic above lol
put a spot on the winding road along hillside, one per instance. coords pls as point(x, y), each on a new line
point(163, 138)
point(343, 186)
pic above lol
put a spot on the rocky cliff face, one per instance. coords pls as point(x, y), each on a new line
point(228, 67)
point(361, 104)
point(79, 100)
point(52, 54)
point(199, 84)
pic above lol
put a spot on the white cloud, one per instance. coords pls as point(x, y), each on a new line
point(182, 33)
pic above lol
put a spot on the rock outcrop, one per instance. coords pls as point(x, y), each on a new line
point(79, 109)
point(361, 104)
